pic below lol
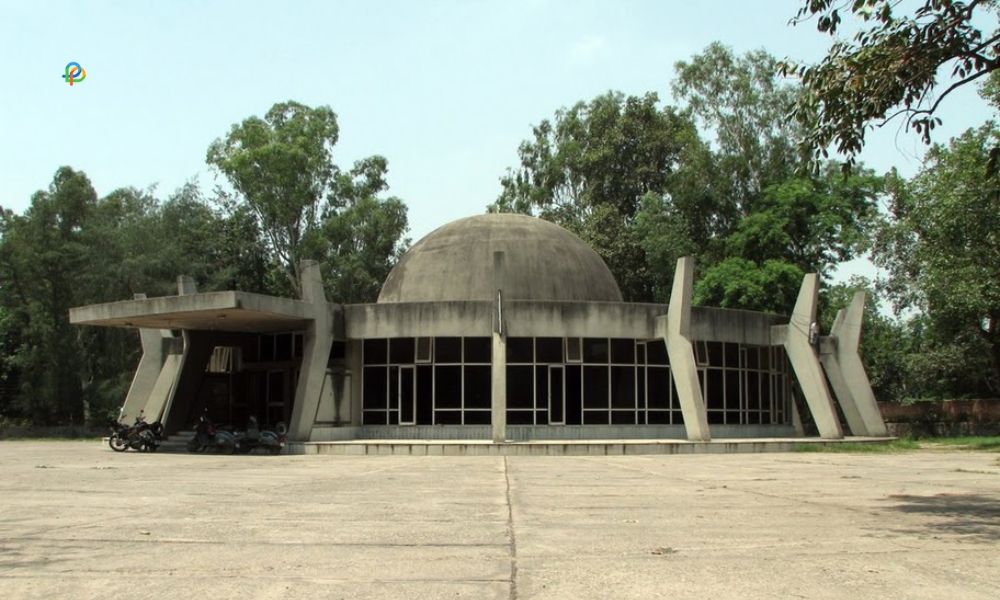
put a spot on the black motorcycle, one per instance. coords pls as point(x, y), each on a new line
point(141, 436)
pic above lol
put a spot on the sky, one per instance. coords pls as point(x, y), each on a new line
point(444, 90)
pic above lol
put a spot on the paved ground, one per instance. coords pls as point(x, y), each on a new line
point(77, 521)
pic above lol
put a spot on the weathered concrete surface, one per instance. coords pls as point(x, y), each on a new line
point(79, 521)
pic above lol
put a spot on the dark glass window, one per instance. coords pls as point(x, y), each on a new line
point(477, 417)
point(520, 350)
point(595, 350)
point(477, 387)
point(549, 350)
point(520, 387)
point(448, 417)
point(715, 356)
point(623, 351)
point(595, 417)
point(372, 417)
point(732, 390)
point(574, 400)
point(714, 392)
point(657, 394)
point(478, 349)
point(520, 417)
point(656, 353)
point(401, 351)
point(623, 417)
point(542, 388)
point(595, 387)
point(658, 417)
point(266, 348)
point(447, 350)
point(375, 388)
point(283, 346)
point(448, 387)
point(732, 355)
point(376, 351)
point(623, 387)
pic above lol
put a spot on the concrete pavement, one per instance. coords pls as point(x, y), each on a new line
point(78, 521)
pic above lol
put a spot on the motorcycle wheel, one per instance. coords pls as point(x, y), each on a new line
point(117, 443)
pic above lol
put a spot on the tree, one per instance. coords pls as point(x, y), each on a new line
point(590, 169)
point(281, 165)
point(741, 283)
point(282, 169)
point(891, 67)
point(745, 104)
point(41, 257)
point(810, 222)
point(941, 248)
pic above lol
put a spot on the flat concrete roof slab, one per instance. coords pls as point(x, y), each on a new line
point(213, 311)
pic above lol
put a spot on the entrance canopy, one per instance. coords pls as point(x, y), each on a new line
point(212, 311)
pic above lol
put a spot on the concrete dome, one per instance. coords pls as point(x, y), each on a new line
point(542, 261)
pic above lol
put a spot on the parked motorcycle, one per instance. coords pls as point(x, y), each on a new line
point(208, 437)
point(141, 436)
point(253, 438)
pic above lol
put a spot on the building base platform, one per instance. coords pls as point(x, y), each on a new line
point(620, 447)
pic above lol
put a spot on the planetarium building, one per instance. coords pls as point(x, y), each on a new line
point(495, 327)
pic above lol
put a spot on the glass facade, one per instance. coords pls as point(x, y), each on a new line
point(567, 381)
point(426, 381)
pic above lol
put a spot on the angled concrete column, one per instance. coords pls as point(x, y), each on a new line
point(846, 372)
point(841, 392)
point(675, 330)
point(498, 392)
point(804, 359)
point(146, 373)
point(318, 339)
point(162, 398)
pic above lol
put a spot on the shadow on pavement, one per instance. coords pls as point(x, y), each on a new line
point(973, 515)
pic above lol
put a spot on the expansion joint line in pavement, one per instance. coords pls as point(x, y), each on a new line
point(512, 545)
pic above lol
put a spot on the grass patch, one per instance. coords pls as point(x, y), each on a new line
point(900, 445)
point(965, 442)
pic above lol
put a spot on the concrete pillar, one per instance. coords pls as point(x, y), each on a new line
point(805, 362)
point(844, 368)
point(165, 389)
point(318, 339)
point(841, 392)
point(498, 392)
point(675, 329)
point(146, 373)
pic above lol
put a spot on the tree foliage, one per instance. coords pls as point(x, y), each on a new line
point(941, 247)
point(281, 168)
point(590, 168)
point(891, 67)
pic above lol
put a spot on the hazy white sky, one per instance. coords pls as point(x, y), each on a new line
point(445, 90)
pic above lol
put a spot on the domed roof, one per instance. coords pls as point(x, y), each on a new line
point(542, 261)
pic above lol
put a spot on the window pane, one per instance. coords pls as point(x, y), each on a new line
point(623, 387)
point(520, 387)
point(477, 387)
point(477, 417)
point(477, 349)
point(376, 352)
point(595, 387)
point(448, 387)
point(448, 417)
point(447, 350)
point(401, 351)
point(623, 351)
point(374, 393)
point(658, 395)
point(595, 350)
point(549, 350)
point(520, 417)
point(656, 353)
point(595, 417)
point(520, 350)
point(713, 383)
